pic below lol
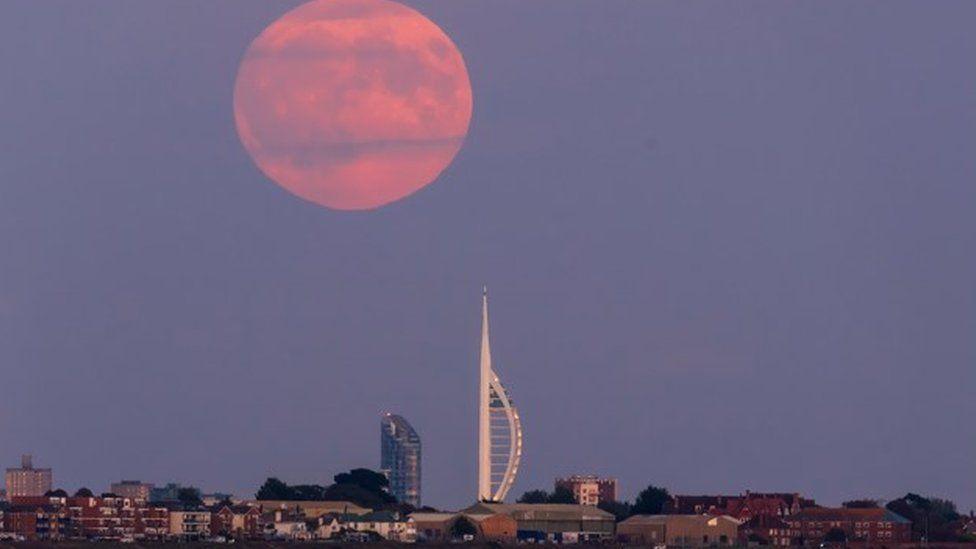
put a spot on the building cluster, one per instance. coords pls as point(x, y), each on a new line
point(776, 519)
point(136, 510)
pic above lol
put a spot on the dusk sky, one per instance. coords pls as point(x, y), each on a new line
point(729, 246)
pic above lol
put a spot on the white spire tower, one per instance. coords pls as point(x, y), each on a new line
point(499, 428)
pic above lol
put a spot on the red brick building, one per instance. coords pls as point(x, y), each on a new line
point(743, 507)
point(43, 522)
point(237, 521)
point(765, 530)
point(879, 525)
point(589, 489)
point(116, 518)
point(108, 518)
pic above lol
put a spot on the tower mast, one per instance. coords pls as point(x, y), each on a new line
point(484, 418)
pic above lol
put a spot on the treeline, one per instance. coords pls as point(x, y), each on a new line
point(362, 487)
point(651, 501)
point(933, 519)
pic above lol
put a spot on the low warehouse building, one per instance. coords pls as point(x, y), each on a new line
point(679, 530)
point(556, 522)
point(484, 527)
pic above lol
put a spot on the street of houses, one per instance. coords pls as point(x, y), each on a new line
point(689, 521)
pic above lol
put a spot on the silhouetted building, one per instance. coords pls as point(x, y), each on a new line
point(132, 489)
point(27, 481)
point(400, 458)
point(589, 489)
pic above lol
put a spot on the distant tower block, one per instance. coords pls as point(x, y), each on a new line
point(499, 428)
point(27, 481)
point(400, 458)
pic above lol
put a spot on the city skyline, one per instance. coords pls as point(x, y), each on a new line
point(729, 248)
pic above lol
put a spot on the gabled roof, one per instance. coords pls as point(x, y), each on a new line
point(235, 509)
point(842, 514)
point(321, 507)
point(673, 519)
point(432, 517)
point(541, 511)
point(765, 521)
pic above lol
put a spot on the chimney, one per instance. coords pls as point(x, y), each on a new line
point(25, 462)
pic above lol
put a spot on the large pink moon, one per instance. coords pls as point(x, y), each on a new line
point(352, 104)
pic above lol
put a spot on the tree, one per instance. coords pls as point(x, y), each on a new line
point(59, 493)
point(84, 493)
point(944, 508)
point(651, 501)
point(307, 492)
point(274, 489)
point(562, 495)
point(189, 497)
point(862, 504)
point(619, 509)
point(363, 487)
point(534, 496)
point(366, 478)
point(836, 535)
point(931, 518)
point(463, 527)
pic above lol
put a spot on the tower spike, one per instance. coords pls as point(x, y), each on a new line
point(495, 478)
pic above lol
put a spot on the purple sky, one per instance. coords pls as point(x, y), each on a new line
point(729, 246)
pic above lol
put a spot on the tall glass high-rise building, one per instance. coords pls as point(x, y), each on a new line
point(400, 458)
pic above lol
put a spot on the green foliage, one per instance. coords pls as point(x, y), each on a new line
point(189, 497)
point(562, 495)
point(534, 496)
point(651, 501)
point(56, 494)
point(366, 478)
point(362, 487)
point(84, 493)
point(274, 489)
point(307, 492)
point(944, 508)
point(931, 518)
point(619, 509)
